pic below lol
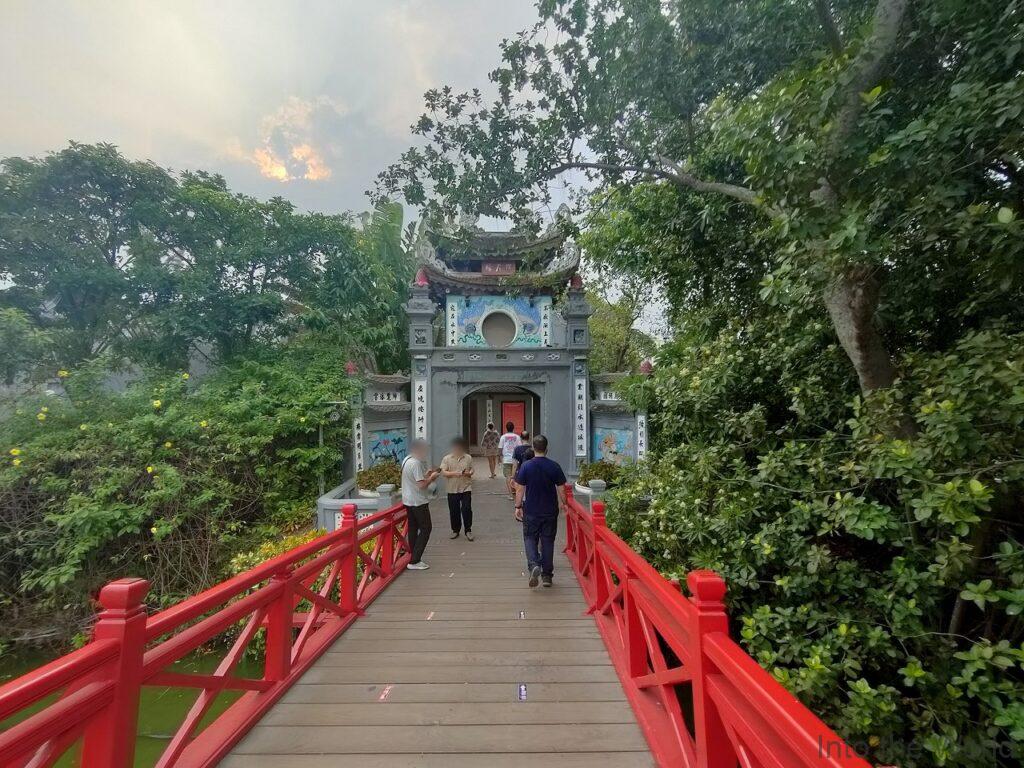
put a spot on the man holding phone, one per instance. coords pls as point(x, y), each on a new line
point(416, 482)
point(457, 470)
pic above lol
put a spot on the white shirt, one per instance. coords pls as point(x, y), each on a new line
point(413, 470)
point(508, 443)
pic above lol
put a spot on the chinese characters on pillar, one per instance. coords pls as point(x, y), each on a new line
point(545, 323)
point(419, 409)
point(453, 323)
point(490, 410)
point(641, 436)
point(580, 416)
point(357, 442)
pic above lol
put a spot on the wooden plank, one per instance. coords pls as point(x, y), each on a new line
point(463, 644)
point(414, 739)
point(343, 693)
point(534, 674)
point(462, 659)
point(452, 713)
point(521, 759)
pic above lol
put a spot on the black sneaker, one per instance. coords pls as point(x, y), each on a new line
point(546, 580)
point(534, 575)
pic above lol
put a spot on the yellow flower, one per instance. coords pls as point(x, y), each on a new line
point(44, 409)
point(149, 470)
point(41, 416)
point(203, 423)
point(185, 376)
point(83, 427)
point(303, 419)
point(62, 374)
point(16, 462)
point(168, 444)
point(15, 451)
point(157, 403)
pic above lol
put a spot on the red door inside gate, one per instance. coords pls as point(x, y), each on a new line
point(516, 413)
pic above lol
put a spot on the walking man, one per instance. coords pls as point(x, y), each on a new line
point(457, 469)
point(540, 496)
point(522, 452)
point(507, 443)
point(416, 480)
point(489, 444)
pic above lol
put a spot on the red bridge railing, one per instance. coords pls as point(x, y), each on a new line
point(96, 689)
point(700, 700)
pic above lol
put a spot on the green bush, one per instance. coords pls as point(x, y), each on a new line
point(166, 480)
point(879, 578)
point(600, 470)
point(384, 473)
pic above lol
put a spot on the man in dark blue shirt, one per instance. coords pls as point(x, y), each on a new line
point(540, 495)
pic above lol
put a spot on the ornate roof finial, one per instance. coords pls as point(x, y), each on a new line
point(421, 278)
point(351, 368)
point(576, 282)
point(647, 367)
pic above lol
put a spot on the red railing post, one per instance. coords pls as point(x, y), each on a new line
point(636, 643)
point(348, 576)
point(278, 662)
point(714, 749)
point(570, 520)
point(599, 584)
point(109, 739)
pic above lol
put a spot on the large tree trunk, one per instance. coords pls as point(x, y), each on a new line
point(852, 300)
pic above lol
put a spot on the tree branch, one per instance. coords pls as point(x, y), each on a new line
point(866, 69)
point(673, 172)
point(828, 26)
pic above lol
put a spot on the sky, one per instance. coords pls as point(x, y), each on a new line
point(307, 99)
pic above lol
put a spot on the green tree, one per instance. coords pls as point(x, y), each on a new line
point(80, 245)
point(616, 345)
point(846, 127)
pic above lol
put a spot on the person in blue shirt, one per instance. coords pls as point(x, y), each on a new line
point(540, 496)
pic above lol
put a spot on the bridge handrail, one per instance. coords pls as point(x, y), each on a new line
point(700, 699)
point(97, 687)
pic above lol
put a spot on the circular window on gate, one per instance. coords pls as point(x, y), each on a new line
point(498, 329)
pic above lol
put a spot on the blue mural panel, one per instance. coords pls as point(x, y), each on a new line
point(388, 445)
point(616, 446)
point(465, 318)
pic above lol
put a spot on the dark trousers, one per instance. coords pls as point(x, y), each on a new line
point(460, 510)
point(419, 530)
point(539, 539)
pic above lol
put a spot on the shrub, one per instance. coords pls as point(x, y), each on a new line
point(166, 480)
point(385, 473)
point(878, 577)
point(600, 470)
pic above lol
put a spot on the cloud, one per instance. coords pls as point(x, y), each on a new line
point(293, 140)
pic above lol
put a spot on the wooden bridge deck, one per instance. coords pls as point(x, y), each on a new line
point(433, 675)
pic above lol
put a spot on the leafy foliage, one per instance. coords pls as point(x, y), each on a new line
point(164, 479)
point(383, 473)
point(599, 470)
point(877, 578)
point(111, 255)
point(192, 342)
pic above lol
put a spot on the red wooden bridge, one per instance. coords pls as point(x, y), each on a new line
point(458, 666)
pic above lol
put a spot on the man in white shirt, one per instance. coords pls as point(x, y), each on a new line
point(508, 443)
point(416, 481)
